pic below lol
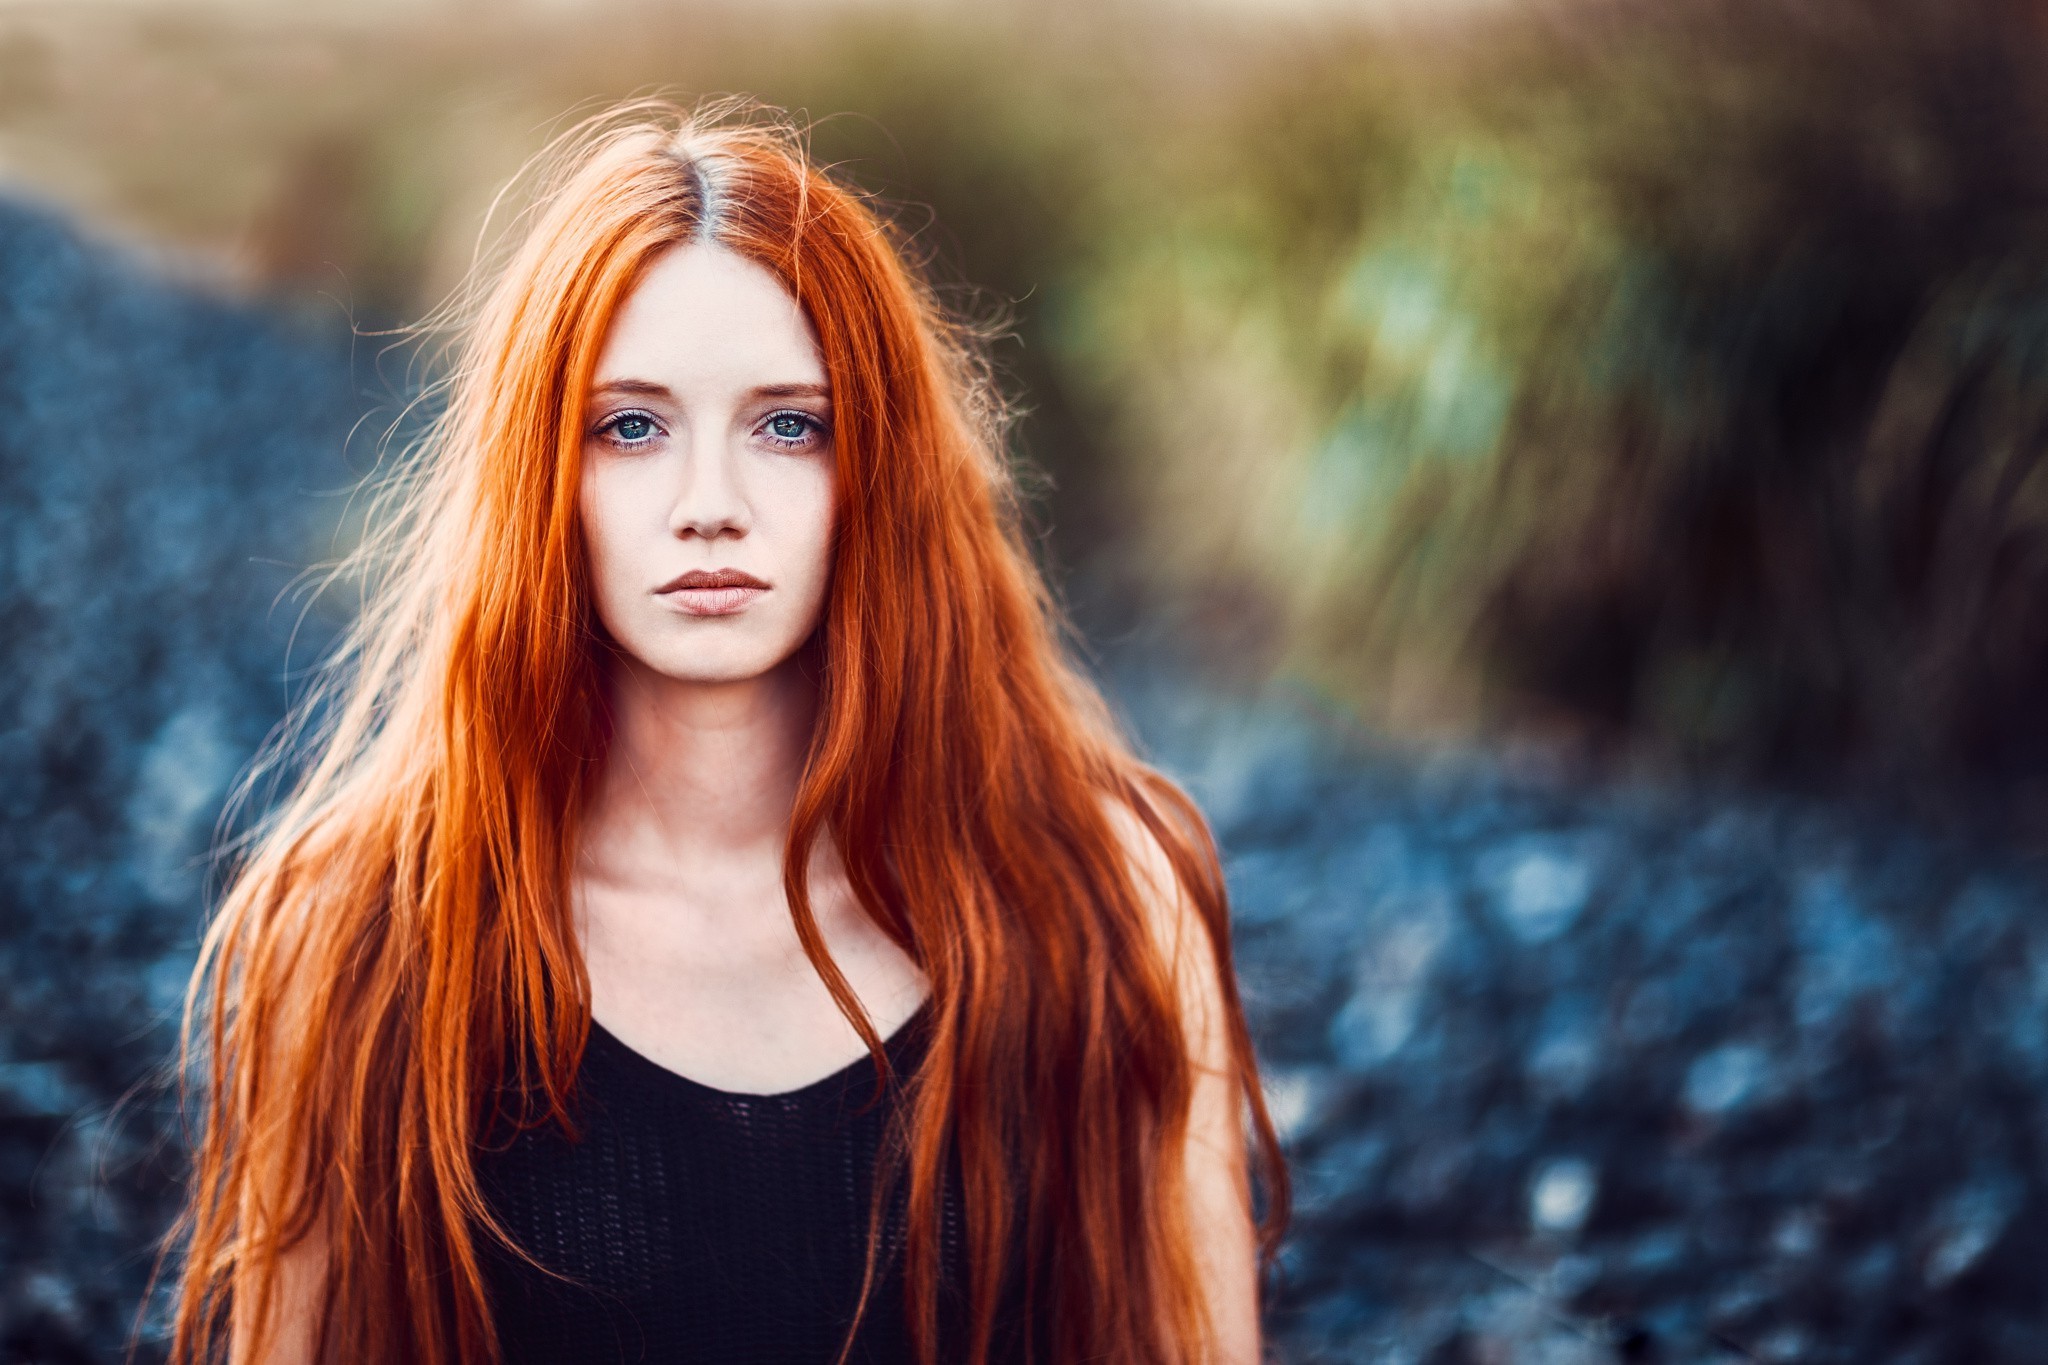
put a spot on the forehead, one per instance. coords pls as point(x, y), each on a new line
point(701, 315)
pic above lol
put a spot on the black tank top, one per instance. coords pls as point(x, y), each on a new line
point(699, 1225)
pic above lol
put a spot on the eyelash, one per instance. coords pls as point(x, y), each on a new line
point(609, 426)
point(818, 429)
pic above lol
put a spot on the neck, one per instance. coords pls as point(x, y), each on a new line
point(699, 771)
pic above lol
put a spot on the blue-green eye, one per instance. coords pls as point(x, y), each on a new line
point(633, 427)
point(629, 428)
point(790, 427)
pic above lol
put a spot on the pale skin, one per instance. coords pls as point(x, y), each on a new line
point(709, 449)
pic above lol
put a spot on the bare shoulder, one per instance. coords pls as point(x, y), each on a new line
point(283, 1253)
point(1216, 1189)
point(1141, 848)
point(1178, 931)
point(280, 1323)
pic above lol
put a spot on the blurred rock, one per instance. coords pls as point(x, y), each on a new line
point(1626, 1074)
point(1561, 1196)
point(163, 461)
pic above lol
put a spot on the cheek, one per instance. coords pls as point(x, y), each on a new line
point(820, 519)
point(607, 538)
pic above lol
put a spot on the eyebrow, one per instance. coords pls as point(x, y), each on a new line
point(819, 391)
point(647, 388)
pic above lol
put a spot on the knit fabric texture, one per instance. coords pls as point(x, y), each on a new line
point(691, 1224)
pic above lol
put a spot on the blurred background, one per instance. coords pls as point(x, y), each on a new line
point(1562, 480)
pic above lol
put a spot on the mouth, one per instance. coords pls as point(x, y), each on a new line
point(711, 592)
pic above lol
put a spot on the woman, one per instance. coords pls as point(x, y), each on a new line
point(717, 922)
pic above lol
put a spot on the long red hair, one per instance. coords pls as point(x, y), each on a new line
point(397, 940)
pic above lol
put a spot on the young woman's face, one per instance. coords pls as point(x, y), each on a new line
point(707, 470)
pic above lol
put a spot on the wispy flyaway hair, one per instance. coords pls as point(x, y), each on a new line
point(398, 940)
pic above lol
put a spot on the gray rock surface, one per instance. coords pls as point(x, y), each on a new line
point(167, 465)
point(1619, 1074)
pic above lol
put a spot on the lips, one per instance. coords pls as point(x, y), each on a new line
point(711, 592)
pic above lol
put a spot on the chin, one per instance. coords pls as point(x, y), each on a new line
point(701, 676)
point(695, 664)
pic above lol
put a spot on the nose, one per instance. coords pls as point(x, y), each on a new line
point(710, 501)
